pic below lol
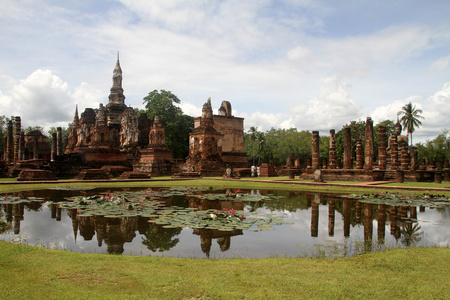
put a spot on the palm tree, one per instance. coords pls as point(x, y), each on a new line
point(410, 118)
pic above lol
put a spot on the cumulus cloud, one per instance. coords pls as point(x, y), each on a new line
point(331, 108)
point(44, 99)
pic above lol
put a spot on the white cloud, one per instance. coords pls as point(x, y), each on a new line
point(331, 108)
point(44, 99)
point(440, 64)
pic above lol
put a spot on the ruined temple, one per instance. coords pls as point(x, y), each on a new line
point(109, 134)
point(156, 159)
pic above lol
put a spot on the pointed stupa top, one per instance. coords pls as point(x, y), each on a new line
point(76, 120)
point(117, 70)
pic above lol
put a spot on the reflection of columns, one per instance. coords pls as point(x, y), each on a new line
point(358, 212)
point(331, 208)
point(205, 243)
point(368, 147)
point(315, 150)
point(359, 155)
point(394, 152)
point(368, 226)
point(36, 148)
point(332, 151)
point(54, 146)
point(393, 217)
point(18, 210)
point(382, 147)
point(17, 129)
point(413, 212)
point(346, 215)
point(59, 149)
point(381, 228)
point(348, 163)
point(315, 215)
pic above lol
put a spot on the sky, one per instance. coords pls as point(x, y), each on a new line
point(312, 65)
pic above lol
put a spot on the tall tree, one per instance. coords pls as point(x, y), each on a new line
point(410, 118)
point(177, 125)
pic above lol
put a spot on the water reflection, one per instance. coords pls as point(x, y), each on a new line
point(347, 220)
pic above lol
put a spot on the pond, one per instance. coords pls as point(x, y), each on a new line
point(195, 223)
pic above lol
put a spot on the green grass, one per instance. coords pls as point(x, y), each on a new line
point(32, 272)
point(420, 184)
point(209, 182)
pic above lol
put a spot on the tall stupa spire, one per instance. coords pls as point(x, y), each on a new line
point(116, 97)
point(117, 74)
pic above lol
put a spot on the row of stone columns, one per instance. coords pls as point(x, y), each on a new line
point(366, 161)
point(15, 143)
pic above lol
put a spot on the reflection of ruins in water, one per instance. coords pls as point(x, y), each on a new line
point(402, 219)
point(399, 221)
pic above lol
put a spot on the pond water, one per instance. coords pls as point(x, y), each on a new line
point(312, 225)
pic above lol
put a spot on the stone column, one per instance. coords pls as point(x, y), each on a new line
point(404, 157)
point(332, 151)
point(368, 147)
point(359, 155)
point(36, 148)
point(21, 146)
point(394, 153)
point(17, 130)
point(382, 148)
point(54, 146)
point(414, 160)
point(10, 144)
point(315, 150)
point(59, 147)
point(348, 162)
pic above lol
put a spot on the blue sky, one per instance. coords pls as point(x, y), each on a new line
point(313, 65)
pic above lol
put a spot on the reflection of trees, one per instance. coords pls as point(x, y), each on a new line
point(411, 234)
point(160, 239)
point(293, 202)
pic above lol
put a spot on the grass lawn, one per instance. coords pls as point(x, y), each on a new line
point(32, 272)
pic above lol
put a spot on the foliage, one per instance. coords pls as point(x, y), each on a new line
point(33, 128)
point(437, 149)
point(177, 125)
point(275, 145)
point(410, 118)
point(3, 132)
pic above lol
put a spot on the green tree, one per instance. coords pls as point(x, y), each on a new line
point(410, 119)
point(177, 124)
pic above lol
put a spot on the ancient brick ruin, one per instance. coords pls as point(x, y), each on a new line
point(112, 140)
point(395, 161)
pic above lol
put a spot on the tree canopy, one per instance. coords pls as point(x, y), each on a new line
point(410, 119)
point(177, 124)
